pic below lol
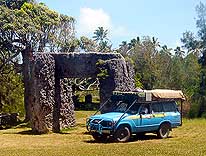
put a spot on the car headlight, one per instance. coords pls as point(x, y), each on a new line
point(110, 123)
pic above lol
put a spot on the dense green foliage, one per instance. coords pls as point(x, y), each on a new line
point(157, 67)
point(26, 24)
point(197, 45)
point(11, 93)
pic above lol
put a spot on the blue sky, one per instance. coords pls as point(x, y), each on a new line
point(127, 19)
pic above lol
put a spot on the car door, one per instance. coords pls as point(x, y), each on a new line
point(145, 121)
point(157, 115)
point(150, 119)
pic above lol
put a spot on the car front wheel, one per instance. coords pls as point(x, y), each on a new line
point(122, 134)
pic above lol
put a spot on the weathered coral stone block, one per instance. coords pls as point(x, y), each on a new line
point(43, 87)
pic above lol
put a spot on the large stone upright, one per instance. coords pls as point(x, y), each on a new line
point(42, 101)
point(51, 103)
point(120, 77)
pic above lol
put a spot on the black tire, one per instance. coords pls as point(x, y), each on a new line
point(164, 131)
point(122, 134)
point(99, 137)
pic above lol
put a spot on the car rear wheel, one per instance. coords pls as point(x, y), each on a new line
point(164, 131)
point(122, 134)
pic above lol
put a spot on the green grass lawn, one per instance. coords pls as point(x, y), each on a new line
point(188, 140)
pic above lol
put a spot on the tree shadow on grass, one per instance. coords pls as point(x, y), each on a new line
point(25, 132)
point(29, 132)
point(65, 131)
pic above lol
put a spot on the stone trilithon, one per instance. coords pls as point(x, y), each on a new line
point(50, 100)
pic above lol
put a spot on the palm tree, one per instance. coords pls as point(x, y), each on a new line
point(100, 34)
point(179, 52)
point(100, 37)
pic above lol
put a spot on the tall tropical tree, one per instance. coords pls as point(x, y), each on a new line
point(142, 51)
point(87, 44)
point(100, 36)
point(197, 45)
point(28, 27)
point(123, 48)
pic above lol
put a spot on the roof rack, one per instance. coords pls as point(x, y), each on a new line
point(155, 95)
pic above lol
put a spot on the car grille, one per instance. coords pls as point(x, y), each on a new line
point(106, 123)
point(96, 121)
point(101, 122)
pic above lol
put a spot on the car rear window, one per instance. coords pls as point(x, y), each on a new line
point(157, 107)
point(170, 107)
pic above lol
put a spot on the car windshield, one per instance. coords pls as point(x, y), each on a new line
point(122, 107)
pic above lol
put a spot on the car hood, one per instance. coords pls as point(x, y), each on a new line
point(109, 116)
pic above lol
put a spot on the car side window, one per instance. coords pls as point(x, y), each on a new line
point(170, 107)
point(134, 109)
point(157, 107)
point(145, 109)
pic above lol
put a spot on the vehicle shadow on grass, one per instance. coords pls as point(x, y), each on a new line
point(132, 139)
point(146, 137)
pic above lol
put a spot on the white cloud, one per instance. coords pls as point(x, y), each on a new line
point(90, 19)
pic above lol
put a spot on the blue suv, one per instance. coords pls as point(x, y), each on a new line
point(133, 113)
